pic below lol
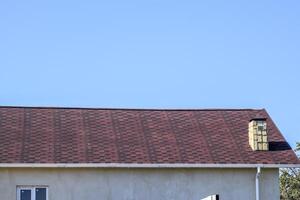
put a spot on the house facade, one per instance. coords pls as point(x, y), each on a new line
point(133, 154)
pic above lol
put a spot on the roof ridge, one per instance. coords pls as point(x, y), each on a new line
point(135, 109)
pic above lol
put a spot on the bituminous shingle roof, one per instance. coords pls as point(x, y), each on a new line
point(84, 135)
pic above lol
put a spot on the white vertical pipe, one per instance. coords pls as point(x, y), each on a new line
point(257, 183)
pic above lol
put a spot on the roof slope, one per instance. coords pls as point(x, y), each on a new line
point(74, 135)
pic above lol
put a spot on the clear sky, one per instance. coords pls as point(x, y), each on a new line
point(154, 54)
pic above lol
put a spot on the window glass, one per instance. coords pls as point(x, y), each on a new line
point(25, 194)
point(40, 193)
point(32, 193)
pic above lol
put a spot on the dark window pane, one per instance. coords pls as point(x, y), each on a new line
point(40, 194)
point(25, 194)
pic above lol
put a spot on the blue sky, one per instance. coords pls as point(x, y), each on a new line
point(153, 54)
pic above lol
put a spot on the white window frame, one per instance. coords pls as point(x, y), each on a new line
point(32, 188)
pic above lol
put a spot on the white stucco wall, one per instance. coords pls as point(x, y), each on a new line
point(142, 184)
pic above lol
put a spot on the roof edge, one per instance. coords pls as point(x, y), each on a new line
point(124, 108)
point(139, 165)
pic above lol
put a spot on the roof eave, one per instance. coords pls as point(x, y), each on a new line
point(140, 165)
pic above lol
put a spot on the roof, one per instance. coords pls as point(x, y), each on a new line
point(136, 136)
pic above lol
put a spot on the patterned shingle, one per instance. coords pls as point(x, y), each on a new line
point(82, 135)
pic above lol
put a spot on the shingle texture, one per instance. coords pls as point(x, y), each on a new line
point(74, 135)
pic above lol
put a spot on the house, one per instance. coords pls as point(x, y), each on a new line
point(134, 154)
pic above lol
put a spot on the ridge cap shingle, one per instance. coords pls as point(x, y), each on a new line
point(135, 109)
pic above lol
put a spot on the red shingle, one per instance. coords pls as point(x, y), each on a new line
point(82, 135)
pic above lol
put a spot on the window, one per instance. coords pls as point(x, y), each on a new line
point(32, 193)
